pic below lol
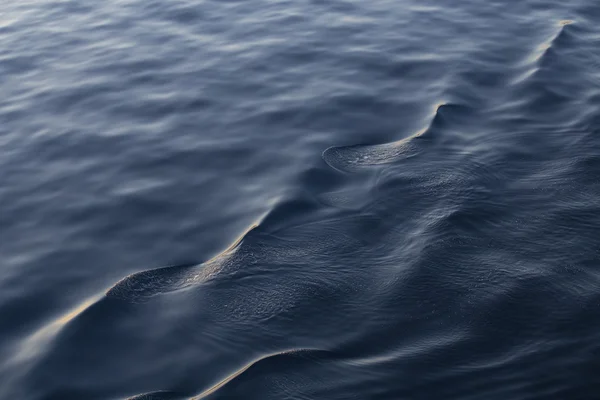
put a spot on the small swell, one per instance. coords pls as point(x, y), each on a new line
point(169, 395)
point(563, 39)
point(141, 286)
point(549, 52)
point(356, 157)
point(560, 76)
point(160, 395)
point(246, 367)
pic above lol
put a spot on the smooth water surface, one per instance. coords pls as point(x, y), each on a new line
point(305, 199)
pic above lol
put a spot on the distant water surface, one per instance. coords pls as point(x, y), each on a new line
point(299, 199)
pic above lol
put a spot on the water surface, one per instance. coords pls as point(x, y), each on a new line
point(299, 200)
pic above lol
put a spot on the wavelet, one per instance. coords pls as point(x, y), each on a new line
point(357, 157)
point(143, 285)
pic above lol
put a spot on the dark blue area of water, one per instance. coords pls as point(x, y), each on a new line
point(299, 200)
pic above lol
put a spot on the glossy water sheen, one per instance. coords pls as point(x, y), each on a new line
point(303, 199)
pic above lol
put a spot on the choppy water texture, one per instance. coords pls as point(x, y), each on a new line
point(299, 200)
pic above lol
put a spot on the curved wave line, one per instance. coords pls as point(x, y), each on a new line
point(240, 371)
point(347, 158)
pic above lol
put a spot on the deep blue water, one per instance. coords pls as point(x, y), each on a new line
point(299, 200)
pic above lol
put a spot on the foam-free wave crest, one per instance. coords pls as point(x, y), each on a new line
point(251, 256)
point(273, 358)
point(353, 158)
point(160, 395)
point(141, 286)
point(350, 158)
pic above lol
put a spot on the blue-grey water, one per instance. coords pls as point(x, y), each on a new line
point(301, 200)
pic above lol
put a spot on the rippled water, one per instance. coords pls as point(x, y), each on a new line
point(299, 200)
